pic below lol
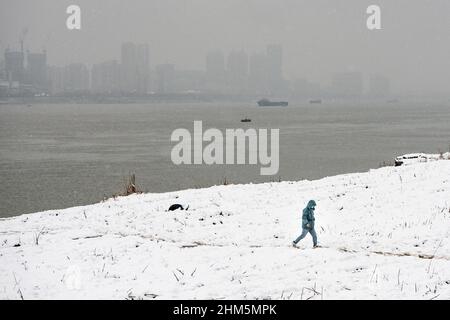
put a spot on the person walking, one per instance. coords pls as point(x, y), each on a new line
point(308, 224)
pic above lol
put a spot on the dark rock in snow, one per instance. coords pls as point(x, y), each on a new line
point(177, 206)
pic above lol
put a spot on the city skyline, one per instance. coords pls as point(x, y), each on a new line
point(235, 73)
point(319, 38)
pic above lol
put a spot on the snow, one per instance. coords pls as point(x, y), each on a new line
point(385, 235)
point(412, 158)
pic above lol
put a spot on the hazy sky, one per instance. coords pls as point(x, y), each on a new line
point(319, 37)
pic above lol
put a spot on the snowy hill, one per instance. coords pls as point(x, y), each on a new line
point(385, 235)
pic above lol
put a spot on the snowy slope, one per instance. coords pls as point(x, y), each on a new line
point(385, 235)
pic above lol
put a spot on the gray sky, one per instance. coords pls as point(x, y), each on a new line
point(319, 37)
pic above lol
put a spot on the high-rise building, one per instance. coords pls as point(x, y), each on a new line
point(2, 70)
point(165, 76)
point(143, 73)
point(4, 85)
point(105, 77)
point(37, 70)
point(135, 68)
point(215, 72)
point(76, 78)
point(274, 68)
point(129, 67)
point(258, 74)
point(14, 66)
point(237, 72)
point(56, 78)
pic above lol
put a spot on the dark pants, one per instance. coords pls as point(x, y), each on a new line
point(304, 233)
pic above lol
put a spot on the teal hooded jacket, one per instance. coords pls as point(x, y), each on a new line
point(308, 216)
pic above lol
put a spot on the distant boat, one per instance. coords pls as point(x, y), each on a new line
point(315, 101)
point(246, 120)
point(268, 103)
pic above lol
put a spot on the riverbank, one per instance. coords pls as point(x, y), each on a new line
point(384, 235)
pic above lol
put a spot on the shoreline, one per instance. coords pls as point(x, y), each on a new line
point(234, 242)
point(424, 158)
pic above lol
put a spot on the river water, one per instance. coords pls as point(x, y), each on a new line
point(61, 155)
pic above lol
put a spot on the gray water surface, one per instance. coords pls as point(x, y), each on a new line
point(61, 155)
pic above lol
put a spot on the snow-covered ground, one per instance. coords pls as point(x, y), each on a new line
point(385, 235)
point(412, 158)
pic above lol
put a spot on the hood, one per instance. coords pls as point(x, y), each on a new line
point(311, 204)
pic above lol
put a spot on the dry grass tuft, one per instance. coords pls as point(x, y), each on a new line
point(129, 187)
